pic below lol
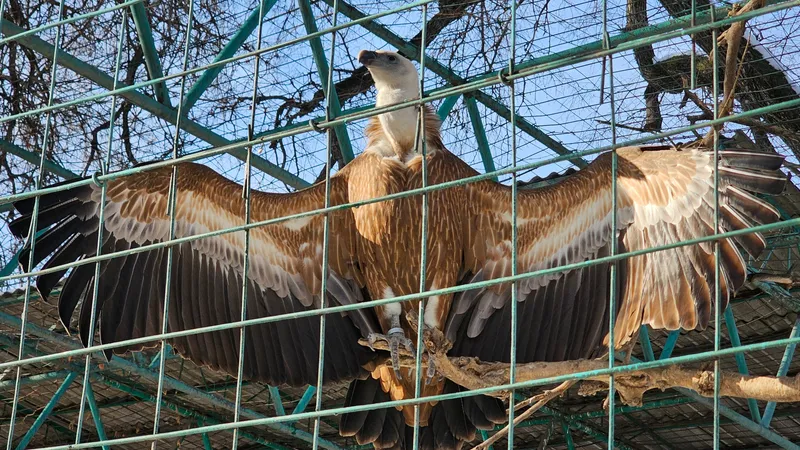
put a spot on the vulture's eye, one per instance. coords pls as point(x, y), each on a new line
point(392, 58)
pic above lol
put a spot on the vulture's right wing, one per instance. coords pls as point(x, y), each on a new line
point(665, 196)
point(284, 275)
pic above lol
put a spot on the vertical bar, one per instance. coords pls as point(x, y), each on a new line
point(420, 140)
point(480, 134)
point(151, 59)
point(741, 364)
point(514, 232)
point(275, 395)
point(237, 40)
point(613, 238)
point(324, 74)
point(669, 345)
point(567, 435)
point(447, 106)
point(786, 361)
point(717, 272)
point(485, 436)
point(647, 346)
point(246, 191)
point(98, 423)
point(34, 221)
point(171, 208)
point(332, 108)
point(207, 442)
point(87, 367)
point(48, 408)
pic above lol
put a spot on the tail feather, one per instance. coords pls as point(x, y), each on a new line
point(451, 425)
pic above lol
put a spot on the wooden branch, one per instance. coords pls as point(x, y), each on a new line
point(731, 38)
point(472, 373)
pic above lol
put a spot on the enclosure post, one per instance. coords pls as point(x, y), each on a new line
point(786, 361)
point(322, 69)
point(46, 411)
point(151, 59)
point(567, 435)
point(237, 40)
point(275, 395)
point(98, 423)
point(669, 345)
point(741, 364)
point(480, 134)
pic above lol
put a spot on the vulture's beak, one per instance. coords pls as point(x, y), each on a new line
point(367, 57)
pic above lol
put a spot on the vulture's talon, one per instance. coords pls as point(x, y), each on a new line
point(394, 338)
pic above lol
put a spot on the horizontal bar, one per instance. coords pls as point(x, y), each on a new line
point(154, 107)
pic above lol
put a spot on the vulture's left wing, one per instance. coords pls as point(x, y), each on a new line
point(206, 280)
point(664, 196)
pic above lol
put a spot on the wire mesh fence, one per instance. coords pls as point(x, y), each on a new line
point(275, 96)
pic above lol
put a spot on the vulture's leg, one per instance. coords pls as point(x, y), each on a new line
point(395, 338)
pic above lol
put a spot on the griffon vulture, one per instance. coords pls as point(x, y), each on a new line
point(665, 194)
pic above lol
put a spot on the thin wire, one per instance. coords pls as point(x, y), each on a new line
point(100, 227)
point(171, 208)
point(33, 228)
point(420, 140)
point(693, 60)
point(512, 373)
point(246, 194)
point(329, 134)
point(717, 272)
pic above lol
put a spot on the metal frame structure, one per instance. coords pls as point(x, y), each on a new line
point(467, 90)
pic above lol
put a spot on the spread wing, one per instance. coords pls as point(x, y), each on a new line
point(664, 196)
point(284, 274)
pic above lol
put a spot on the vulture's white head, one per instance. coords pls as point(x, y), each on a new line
point(396, 81)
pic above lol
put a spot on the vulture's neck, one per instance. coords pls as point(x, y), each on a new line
point(392, 134)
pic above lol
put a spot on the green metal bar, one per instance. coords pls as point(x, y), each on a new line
point(98, 423)
point(624, 409)
point(206, 442)
point(48, 408)
point(480, 134)
point(741, 364)
point(323, 70)
point(148, 104)
point(36, 379)
point(275, 395)
point(412, 51)
point(485, 436)
point(12, 263)
point(567, 435)
point(783, 369)
point(230, 49)
point(669, 345)
point(304, 400)
point(151, 59)
point(33, 158)
point(647, 346)
point(447, 106)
